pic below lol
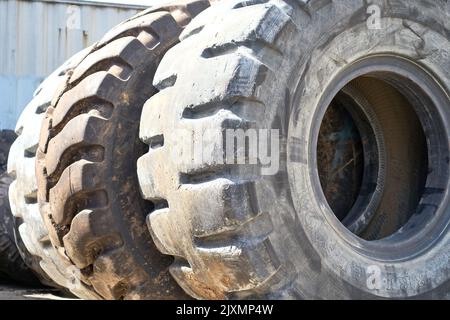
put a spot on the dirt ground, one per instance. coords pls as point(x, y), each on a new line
point(12, 291)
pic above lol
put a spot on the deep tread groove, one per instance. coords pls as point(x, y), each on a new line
point(135, 32)
point(42, 108)
point(193, 32)
point(160, 204)
point(75, 153)
point(156, 142)
point(237, 235)
point(248, 3)
point(199, 177)
point(235, 104)
point(106, 65)
point(214, 172)
point(99, 106)
point(168, 82)
point(78, 202)
point(256, 46)
point(31, 198)
point(30, 152)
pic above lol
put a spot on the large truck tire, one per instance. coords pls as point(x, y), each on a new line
point(38, 253)
point(343, 75)
point(86, 169)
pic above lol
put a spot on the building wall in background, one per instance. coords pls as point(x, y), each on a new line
point(36, 36)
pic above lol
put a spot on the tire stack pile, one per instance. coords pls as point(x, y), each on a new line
point(111, 199)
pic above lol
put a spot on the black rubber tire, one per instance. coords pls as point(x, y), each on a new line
point(264, 64)
point(12, 266)
point(86, 168)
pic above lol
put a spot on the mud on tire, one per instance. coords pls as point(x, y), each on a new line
point(272, 64)
point(86, 168)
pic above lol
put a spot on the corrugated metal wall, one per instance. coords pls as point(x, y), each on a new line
point(38, 36)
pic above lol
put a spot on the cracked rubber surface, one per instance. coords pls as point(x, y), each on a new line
point(86, 169)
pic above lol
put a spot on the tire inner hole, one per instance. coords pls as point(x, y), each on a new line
point(372, 169)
